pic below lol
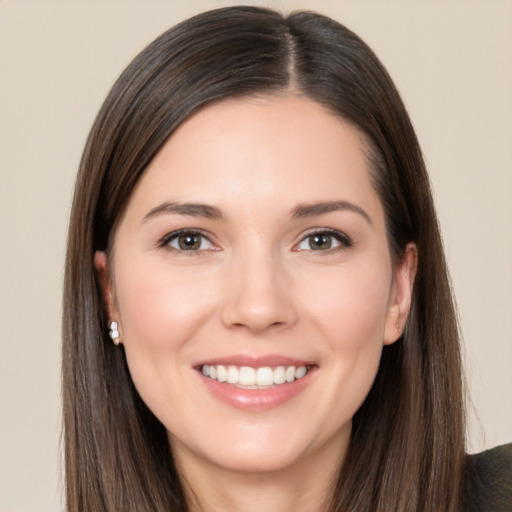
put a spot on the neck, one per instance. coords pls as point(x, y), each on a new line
point(305, 486)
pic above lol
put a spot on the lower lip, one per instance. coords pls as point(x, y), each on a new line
point(257, 400)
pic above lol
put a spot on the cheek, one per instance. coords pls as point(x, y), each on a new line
point(151, 300)
point(350, 305)
point(159, 310)
point(350, 312)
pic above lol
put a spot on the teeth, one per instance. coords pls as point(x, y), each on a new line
point(264, 376)
point(254, 378)
point(222, 374)
point(299, 372)
point(279, 375)
point(232, 377)
point(247, 376)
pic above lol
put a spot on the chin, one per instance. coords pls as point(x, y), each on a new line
point(256, 448)
point(245, 460)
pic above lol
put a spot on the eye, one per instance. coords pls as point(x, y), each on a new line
point(190, 241)
point(324, 241)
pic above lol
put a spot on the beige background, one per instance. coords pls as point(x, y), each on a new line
point(451, 60)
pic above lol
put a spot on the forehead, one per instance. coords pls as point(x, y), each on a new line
point(259, 152)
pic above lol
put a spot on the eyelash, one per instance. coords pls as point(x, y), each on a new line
point(169, 237)
point(344, 241)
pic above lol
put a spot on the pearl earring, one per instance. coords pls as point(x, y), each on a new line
point(114, 333)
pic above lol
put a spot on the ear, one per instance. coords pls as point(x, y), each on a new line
point(401, 293)
point(105, 282)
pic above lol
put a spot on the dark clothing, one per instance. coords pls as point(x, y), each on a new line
point(487, 485)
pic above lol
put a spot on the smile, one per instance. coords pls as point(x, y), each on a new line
point(256, 384)
point(254, 378)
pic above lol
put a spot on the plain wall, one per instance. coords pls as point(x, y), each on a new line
point(450, 59)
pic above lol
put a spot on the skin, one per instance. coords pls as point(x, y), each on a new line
point(256, 286)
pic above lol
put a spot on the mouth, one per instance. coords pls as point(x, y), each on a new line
point(248, 377)
point(256, 384)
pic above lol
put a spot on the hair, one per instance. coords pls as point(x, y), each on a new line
point(407, 446)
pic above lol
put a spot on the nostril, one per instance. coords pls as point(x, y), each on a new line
point(258, 327)
point(258, 301)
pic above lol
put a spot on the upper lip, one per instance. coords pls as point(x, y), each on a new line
point(254, 361)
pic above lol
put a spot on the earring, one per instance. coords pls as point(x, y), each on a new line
point(397, 328)
point(114, 333)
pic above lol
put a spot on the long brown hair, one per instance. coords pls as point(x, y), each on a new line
point(407, 444)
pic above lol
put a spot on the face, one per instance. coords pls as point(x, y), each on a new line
point(253, 285)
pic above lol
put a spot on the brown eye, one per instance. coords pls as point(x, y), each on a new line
point(324, 241)
point(188, 241)
point(320, 242)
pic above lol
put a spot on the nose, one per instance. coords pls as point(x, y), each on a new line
point(258, 296)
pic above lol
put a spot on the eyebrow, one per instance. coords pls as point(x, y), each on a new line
point(314, 209)
point(211, 212)
point(191, 209)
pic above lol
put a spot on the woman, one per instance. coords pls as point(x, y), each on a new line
point(257, 308)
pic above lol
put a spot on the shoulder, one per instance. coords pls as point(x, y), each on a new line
point(487, 481)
